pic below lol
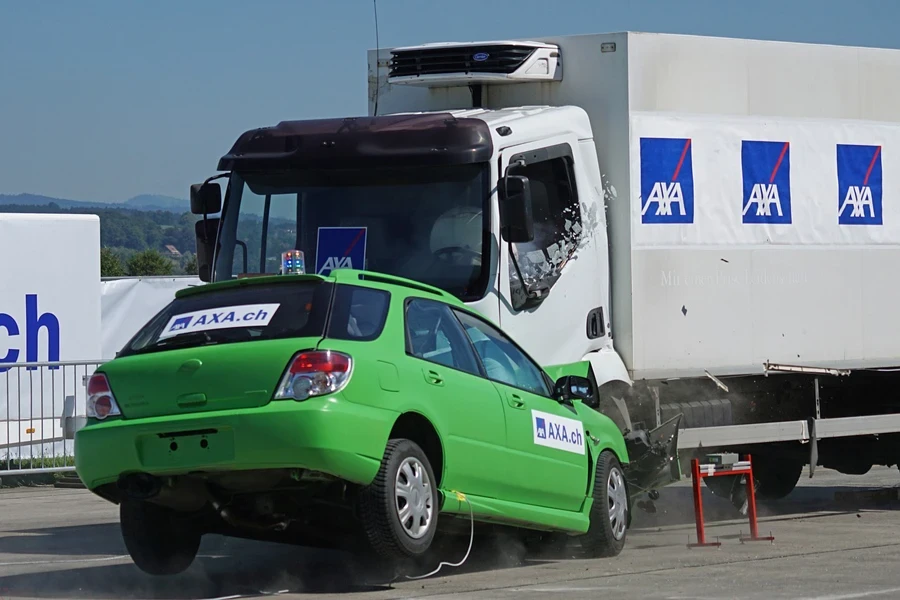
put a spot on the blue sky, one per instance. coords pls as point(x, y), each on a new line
point(104, 100)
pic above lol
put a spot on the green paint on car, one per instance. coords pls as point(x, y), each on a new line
point(357, 411)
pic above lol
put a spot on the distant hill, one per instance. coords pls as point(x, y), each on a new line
point(156, 202)
point(145, 202)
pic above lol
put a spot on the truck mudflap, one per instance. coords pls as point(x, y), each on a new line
point(653, 457)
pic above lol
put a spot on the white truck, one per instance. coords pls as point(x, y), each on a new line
point(710, 222)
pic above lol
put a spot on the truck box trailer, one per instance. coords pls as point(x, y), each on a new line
point(707, 222)
point(707, 272)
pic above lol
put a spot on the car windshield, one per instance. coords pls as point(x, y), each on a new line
point(255, 312)
point(426, 224)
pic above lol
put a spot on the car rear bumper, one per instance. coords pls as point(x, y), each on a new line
point(330, 434)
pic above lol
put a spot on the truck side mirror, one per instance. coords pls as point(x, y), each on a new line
point(206, 231)
point(516, 219)
point(573, 387)
point(206, 198)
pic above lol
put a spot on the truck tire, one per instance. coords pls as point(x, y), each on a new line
point(775, 478)
point(158, 541)
point(610, 510)
point(399, 509)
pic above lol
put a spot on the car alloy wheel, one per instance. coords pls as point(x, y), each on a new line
point(610, 510)
point(398, 510)
point(618, 503)
point(413, 498)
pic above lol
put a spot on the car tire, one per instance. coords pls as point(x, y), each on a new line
point(610, 510)
point(159, 543)
point(381, 503)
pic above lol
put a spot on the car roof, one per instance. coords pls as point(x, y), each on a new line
point(369, 279)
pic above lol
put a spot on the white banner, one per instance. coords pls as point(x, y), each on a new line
point(128, 303)
point(762, 239)
point(714, 180)
point(49, 312)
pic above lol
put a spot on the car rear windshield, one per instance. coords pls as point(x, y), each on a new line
point(255, 312)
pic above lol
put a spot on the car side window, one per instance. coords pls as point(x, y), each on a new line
point(501, 359)
point(358, 313)
point(433, 334)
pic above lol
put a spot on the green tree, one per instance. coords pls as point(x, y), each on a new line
point(149, 262)
point(110, 265)
point(190, 264)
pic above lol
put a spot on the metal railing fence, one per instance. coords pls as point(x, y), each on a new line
point(42, 404)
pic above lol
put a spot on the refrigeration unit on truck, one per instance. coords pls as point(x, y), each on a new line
point(710, 223)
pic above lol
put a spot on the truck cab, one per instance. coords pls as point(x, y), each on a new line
point(503, 207)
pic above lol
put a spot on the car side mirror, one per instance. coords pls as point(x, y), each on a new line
point(573, 387)
point(516, 218)
point(206, 232)
point(206, 198)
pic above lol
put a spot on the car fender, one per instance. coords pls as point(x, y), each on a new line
point(602, 433)
point(418, 409)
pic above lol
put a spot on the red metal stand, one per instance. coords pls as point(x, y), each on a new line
point(744, 467)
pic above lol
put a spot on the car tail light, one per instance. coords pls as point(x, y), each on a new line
point(314, 373)
point(101, 403)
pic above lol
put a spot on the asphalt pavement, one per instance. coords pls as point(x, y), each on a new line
point(834, 540)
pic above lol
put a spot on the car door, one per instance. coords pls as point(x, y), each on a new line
point(467, 407)
point(547, 463)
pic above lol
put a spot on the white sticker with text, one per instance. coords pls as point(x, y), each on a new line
point(245, 315)
point(558, 432)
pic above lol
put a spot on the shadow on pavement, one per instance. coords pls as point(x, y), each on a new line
point(675, 506)
point(229, 567)
point(233, 567)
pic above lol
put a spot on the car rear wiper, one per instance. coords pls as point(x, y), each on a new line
point(182, 339)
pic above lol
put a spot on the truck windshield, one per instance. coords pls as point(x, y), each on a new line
point(427, 224)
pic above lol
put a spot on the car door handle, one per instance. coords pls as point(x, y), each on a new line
point(433, 377)
point(515, 401)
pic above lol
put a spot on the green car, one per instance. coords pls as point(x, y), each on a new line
point(352, 411)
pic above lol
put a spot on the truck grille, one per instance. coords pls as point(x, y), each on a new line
point(437, 61)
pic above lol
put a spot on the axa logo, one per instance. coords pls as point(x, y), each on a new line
point(12, 330)
point(667, 181)
point(336, 262)
point(180, 324)
point(859, 175)
point(559, 433)
point(766, 170)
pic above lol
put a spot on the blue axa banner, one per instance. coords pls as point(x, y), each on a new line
point(766, 169)
point(340, 248)
point(667, 181)
point(35, 323)
point(859, 176)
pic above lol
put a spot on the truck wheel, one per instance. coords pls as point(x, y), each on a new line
point(399, 509)
point(610, 511)
point(775, 478)
point(159, 543)
point(723, 485)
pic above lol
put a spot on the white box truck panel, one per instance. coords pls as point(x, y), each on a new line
point(817, 290)
point(759, 240)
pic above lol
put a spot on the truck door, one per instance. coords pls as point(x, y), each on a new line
point(551, 285)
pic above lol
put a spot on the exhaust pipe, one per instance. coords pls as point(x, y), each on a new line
point(241, 523)
point(139, 486)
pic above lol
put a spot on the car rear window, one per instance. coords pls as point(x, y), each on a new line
point(242, 314)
